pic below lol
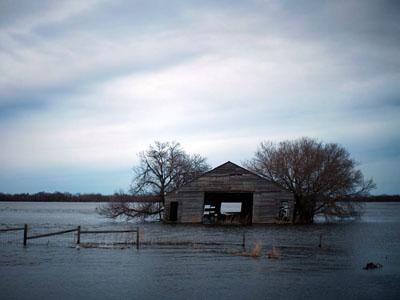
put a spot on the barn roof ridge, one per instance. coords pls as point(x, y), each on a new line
point(248, 171)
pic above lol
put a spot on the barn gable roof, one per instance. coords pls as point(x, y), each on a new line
point(227, 169)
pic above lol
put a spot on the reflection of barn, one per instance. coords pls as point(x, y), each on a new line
point(228, 194)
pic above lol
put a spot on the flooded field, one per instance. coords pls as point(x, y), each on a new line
point(198, 262)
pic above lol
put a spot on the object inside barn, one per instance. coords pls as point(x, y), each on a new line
point(214, 215)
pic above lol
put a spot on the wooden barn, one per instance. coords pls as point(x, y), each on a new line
point(229, 194)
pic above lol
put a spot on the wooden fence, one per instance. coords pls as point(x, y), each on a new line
point(11, 229)
point(30, 234)
point(78, 231)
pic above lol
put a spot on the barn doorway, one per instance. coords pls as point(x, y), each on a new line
point(228, 208)
point(173, 211)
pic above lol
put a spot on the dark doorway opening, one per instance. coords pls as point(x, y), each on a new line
point(173, 211)
point(228, 208)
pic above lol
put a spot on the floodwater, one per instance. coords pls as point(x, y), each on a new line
point(198, 262)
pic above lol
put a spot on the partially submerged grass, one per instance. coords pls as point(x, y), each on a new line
point(274, 253)
point(255, 251)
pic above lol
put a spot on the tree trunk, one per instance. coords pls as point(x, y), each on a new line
point(294, 216)
point(162, 204)
point(305, 216)
point(304, 209)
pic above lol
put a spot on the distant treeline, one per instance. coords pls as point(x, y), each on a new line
point(68, 197)
point(379, 198)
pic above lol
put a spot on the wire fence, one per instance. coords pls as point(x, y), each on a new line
point(72, 236)
point(11, 235)
point(119, 237)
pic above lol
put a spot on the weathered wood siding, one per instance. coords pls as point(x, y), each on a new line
point(227, 178)
point(266, 205)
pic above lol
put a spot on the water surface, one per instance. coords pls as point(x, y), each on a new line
point(200, 262)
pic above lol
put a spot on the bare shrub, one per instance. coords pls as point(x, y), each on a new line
point(255, 252)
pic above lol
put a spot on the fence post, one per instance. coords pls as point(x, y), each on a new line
point(25, 233)
point(320, 241)
point(244, 240)
point(78, 235)
point(137, 238)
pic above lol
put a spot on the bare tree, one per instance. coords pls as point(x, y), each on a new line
point(322, 177)
point(162, 168)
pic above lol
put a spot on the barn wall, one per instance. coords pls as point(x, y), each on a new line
point(266, 206)
point(191, 204)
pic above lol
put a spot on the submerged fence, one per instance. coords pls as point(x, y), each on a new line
point(25, 235)
point(117, 236)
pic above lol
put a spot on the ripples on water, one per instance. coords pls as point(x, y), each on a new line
point(196, 261)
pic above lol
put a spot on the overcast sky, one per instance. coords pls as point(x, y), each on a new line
point(86, 85)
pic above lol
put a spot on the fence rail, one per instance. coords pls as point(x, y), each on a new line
point(50, 234)
point(11, 229)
